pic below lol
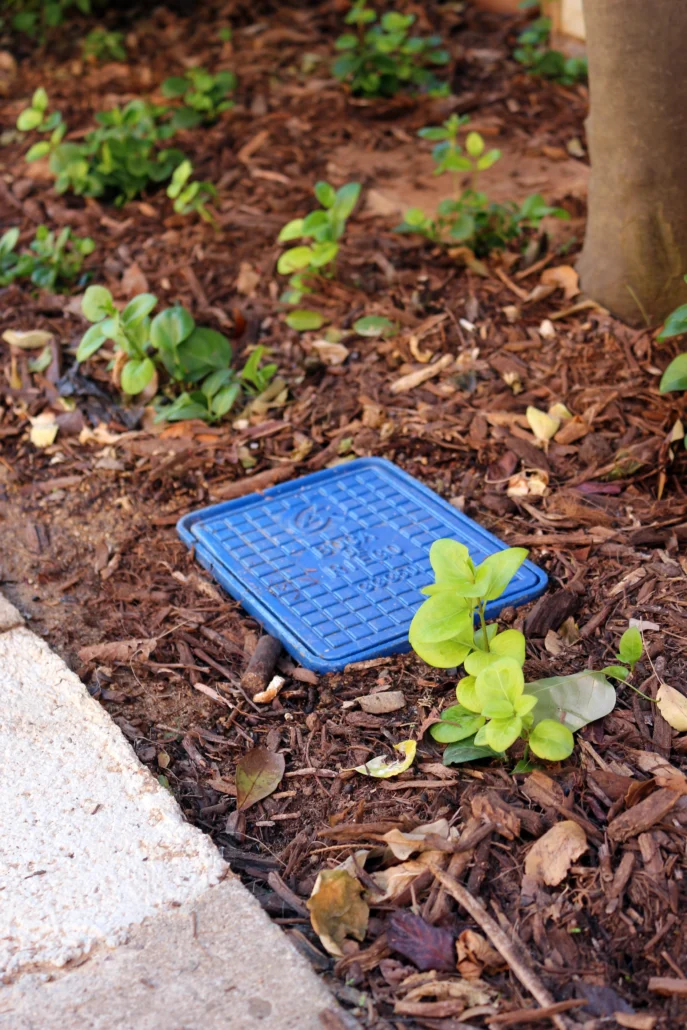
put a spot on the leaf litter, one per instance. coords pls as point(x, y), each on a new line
point(89, 550)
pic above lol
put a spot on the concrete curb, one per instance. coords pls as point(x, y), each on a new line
point(115, 912)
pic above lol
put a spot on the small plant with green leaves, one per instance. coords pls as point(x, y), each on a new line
point(35, 18)
point(188, 196)
point(535, 54)
point(382, 57)
point(204, 96)
point(675, 376)
point(495, 707)
point(322, 229)
point(468, 217)
point(54, 261)
point(8, 255)
point(119, 159)
point(630, 650)
point(102, 45)
point(194, 359)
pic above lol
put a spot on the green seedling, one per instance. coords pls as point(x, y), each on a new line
point(190, 196)
point(35, 18)
point(194, 360)
point(204, 96)
point(381, 58)
point(468, 217)
point(101, 45)
point(119, 159)
point(630, 650)
point(322, 228)
point(675, 376)
point(534, 53)
point(54, 261)
point(8, 256)
point(495, 707)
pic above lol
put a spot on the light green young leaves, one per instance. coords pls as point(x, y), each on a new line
point(551, 740)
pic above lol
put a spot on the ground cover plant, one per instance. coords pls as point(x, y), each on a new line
point(120, 158)
point(204, 96)
point(534, 52)
point(381, 56)
point(445, 370)
point(196, 360)
point(468, 216)
point(52, 261)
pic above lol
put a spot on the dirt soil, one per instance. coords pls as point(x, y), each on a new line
point(89, 551)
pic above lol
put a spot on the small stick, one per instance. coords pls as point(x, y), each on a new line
point(261, 665)
point(527, 977)
point(534, 1015)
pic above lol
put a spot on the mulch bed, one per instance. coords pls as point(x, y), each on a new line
point(88, 546)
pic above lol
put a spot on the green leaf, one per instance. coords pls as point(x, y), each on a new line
point(509, 644)
point(325, 193)
point(346, 199)
point(443, 616)
point(675, 324)
point(37, 151)
point(434, 132)
point(467, 751)
point(631, 647)
point(29, 119)
point(374, 325)
point(304, 320)
point(500, 734)
point(91, 341)
point(551, 740)
point(495, 573)
point(203, 351)
point(450, 561)
point(294, 260)
point(293, 230)
point(137, 309)
point(323, 252)
point(618, 672)
point(574, 700)
point(174, 86)
point(97, 303)
point(503, 680)
point(675, 376)
point(170, 328)
point(347, 41)
point(448, 654)
point(136, 375)
point(474, 144)
point(456, 724)
point(467, 695)
point(39, 100)
point(525, 704)
point(224, 399)
point(488, 159)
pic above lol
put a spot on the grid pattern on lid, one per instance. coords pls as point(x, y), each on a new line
point(341, 562)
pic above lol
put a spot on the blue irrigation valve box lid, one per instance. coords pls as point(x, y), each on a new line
point(332, 564)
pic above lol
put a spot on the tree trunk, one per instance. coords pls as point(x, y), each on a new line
point(635, 248)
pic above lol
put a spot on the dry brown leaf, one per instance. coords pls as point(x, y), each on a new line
point(258, 774)
point(421, 375)
point(403, 845)
point(382, 703)
point(550, 858)
point(247, 279)
point(395, 881)
point(119, 650)
point(471, 993)
point(330, 353)
point(572, 430)
point(337, 910)
point(474, 952)
point(134, 281)
point(665, 774)
point(563, 276)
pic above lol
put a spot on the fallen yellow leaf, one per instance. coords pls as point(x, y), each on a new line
point(673, 707)
point(337, 910)
point(382, 769)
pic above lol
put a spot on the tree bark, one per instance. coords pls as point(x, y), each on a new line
point(635, 248)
